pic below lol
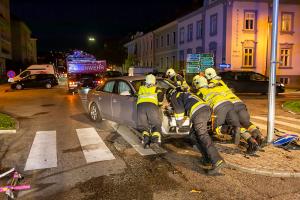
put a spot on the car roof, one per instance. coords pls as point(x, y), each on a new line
point(236, 71)
point(132, 78)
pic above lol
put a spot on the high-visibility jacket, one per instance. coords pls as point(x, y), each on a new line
point(150, 94)
point(229, 94)
point(179, 81)
point(214, 96)
point(185, 104)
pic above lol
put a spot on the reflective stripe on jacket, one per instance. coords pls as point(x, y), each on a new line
point(213, 96)
point(147, 94)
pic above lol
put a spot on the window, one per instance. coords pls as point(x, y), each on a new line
point(189, 51)
point(248, 57)
point(287, 20)
point(167, 61)
point(213, 50)
point(284, 80)
point(199, 29)
point(168, 39)
point(181, 55)
point(161, 62)
point(174, 38)
point(213, 24)
point(257, 77)
point(157, 43)
point(228, 75)
point(181, 36)
point(249, 20)
point(124, 88)
point(109, 86)
point(199, 50)
point(151, 44)
point(161, 41)
point(190, 32)
point(173, 61)
point(243, 76)
point(285, 57)
point(32, 77)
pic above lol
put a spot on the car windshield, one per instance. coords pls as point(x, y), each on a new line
point(161, 83)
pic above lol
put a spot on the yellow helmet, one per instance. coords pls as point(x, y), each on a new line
point(150, 79)
point(210, 73)
point(200, 82)
point(170, 72)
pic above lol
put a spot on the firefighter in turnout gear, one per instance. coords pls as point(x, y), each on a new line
point(239, 107)
point(149, 121)
point(186, 104)
point(177, 79)
point(222, 108)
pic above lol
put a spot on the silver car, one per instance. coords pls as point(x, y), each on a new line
point(116, 99)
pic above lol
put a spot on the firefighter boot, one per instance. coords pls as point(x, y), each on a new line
point(146, 139)
point(216, 169)
point(252, 146)
point(156, 138)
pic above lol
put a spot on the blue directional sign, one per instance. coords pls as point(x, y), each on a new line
point(223, 65)
point(11, 74)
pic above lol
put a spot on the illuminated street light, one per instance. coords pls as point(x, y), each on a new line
point(91, 39)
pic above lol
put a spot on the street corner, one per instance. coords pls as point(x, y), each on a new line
point(8, 124)
point(270, 161)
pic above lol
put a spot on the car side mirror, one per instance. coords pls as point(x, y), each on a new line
point(125, 93)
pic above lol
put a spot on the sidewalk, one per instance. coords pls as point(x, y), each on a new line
point(272, 161)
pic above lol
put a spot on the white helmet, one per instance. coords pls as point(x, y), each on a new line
point(195, 78)
point(150, 79)
point(170, 72)
point(200, 82)
point(210, 73)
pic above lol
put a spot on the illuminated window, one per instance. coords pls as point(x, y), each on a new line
point(285, 55)
point(287, 22)
point(248, 57)
point(190, 32)
point(249, 23)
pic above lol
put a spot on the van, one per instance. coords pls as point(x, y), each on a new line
point(35, 69)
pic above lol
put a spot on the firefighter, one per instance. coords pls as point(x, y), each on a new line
point(187, 104)
point(239, 106)
point(224, 112)
point(177, 79)
point(148, 116)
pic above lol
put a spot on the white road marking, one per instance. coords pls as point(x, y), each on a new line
point(132, 139)
point(43, 153)
point(8, 131)
point(277, 122)
point(264, 127)
point(93, 147)
point(288, 118)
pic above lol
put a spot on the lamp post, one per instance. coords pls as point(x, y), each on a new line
point(272, 79)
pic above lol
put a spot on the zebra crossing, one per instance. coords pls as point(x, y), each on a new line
point(43, 152)
point(285, 124)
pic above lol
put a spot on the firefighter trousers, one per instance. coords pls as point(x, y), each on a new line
point(148, 117)
point(205, 144)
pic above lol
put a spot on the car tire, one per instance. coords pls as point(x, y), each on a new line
point(48, 85)
point(19, 87)
point(94, 113)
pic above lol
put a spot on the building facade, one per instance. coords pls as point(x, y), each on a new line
point(5, 35)
point(166, 47)
point(236, 32)
point(23, 46)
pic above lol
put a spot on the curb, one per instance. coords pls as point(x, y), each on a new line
point(264, 172)
point(8, 131)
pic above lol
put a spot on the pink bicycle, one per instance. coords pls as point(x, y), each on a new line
point(12, 184)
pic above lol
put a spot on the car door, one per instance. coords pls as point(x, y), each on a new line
point(103, 97)
point(259, 82)
point(243, 82)
point(30, 81)
point(124, 105)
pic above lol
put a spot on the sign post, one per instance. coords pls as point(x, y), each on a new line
point(272, 80)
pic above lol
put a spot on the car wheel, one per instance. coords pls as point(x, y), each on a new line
point(95, 113)
point(48, 85)
point(19, 87)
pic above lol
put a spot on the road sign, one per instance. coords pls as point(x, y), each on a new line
point(11, 74)
point(206, 61)
point(225, 65)
point(193, 57)
point(192, 63)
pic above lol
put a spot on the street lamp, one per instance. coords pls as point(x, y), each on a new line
point(91, 39)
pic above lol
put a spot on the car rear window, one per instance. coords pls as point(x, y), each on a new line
point(243, 76)
point(227, 75)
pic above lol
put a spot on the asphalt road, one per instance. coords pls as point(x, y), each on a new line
point(172, 175)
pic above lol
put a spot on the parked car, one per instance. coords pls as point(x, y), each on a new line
point(116, 99)
point(248, 82)
point(36, 80)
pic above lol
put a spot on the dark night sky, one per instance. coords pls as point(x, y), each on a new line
point(64, 24)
